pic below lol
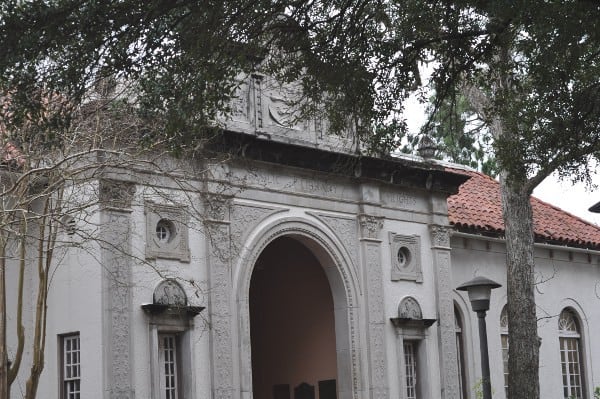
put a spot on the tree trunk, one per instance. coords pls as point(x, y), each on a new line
point(523, 353)
point(3, 349)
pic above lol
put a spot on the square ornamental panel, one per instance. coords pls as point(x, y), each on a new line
point(406, 257)
point(166, 231)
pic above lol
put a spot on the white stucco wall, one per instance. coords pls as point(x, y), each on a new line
point(567, 278)
point(266, 197)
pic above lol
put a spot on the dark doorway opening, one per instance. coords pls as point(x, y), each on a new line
point(292, 325)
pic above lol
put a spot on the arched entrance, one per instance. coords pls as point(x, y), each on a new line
point(292, 324)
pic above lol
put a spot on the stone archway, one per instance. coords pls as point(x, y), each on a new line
point(335, 264)
point(292, 324)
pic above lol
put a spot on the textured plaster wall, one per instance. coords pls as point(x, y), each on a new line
point(148, 273)
point(565, 279)
point(75, 305)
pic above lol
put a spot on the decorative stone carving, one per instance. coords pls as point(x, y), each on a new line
point(116, 193)
point(257, 91)
point(219, 253)
point(216, 208)
point(117, 301)
point(169, 292)
point(371, 248)
point(282, 110)
point(240, 106)
point(406, 257)
point(370, 226)
point(244, 219)
point(346, 231)
point(440, 236)
point(409, 308)
point(167, 231)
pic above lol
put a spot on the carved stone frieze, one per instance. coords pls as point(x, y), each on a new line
point(116, 193)
point(244, 218)
point(370, 226)
point(346, 231)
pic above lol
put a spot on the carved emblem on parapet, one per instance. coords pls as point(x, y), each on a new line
point(116, 193)
point(282, 104)
point(440, 235)
point(370, 226)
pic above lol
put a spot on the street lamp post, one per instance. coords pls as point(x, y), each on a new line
point(480, 291)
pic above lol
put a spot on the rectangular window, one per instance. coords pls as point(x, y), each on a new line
point(571, 371)
point(167, 356)
point(71, 367)
point(410, 361)
point(504, 339)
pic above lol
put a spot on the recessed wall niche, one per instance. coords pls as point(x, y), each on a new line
point(406, 257)
point(166, 231)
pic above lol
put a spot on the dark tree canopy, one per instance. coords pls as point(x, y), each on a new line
point(352, 57)
point(530, 70)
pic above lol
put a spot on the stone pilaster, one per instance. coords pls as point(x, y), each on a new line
point(115, 201)
point(218, 241)
point(370, 241)
point(440, 240)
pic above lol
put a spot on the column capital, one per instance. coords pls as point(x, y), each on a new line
point(440, 236)
point(370, 226)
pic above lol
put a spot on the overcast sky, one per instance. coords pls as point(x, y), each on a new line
point(575, 199)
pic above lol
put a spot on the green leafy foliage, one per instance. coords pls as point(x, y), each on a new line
point(459, 135)
point(356, 61)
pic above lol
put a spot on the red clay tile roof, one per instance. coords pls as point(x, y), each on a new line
point(477, 209)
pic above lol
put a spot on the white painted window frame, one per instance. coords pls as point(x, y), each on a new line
point(70, 366)
point(571, 355)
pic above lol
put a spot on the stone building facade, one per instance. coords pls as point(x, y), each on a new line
point(290, 267)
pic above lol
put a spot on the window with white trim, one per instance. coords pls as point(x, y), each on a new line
point(504, 345)
point(571, 357)
point(71, 366)
point(410, 362)
point(168, 367)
